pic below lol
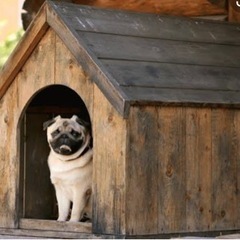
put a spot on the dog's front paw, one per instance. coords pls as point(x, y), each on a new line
point(61, 219)
point(74, 220)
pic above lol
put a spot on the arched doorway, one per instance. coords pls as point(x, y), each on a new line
point(37, 196)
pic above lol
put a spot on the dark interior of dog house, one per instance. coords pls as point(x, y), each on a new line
point(37, 196)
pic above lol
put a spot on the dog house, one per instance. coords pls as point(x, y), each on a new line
point(163, 97)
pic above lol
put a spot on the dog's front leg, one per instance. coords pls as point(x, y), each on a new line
point(79, 203)
point(63, 204)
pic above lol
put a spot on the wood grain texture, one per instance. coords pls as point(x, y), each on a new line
point(107, 46)
point(47, 225)
point(26, 233)
point(175, 76)
point(187, 8)
point(134, 24)
point(109, 141)
point(32, 74)
point(172, 169)
point(142, 166)
point(8, 158)
point(199, 169)
point(39, 201)
point(225, 154)
point(182, 97)
point(22, 52)
point(70, 73)
point(182, 170)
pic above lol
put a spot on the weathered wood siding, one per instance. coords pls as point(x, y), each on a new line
point(182, 170)
point(109, 134)
point(50, 63)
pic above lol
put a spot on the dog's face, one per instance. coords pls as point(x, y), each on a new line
point(67, 136)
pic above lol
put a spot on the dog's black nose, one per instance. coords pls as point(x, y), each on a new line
point(64, 136)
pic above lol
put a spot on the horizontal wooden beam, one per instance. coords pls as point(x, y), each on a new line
point(51, 225)
point(170, 7)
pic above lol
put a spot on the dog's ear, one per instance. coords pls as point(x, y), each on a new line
point(48, 123)
point(80, 121)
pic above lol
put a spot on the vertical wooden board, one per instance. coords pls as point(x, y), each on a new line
point(69, 73)
point(198, 169)
point(225, 154)
point(237, 128)
point(39, 194)
point(38, 71)
point(8, 157)
point(172, 169)
point(109, 143)
point(142, 172)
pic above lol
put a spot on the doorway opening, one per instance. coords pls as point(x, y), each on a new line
point(37, 195)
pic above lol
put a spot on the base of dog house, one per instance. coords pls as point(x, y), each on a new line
point(35, 229)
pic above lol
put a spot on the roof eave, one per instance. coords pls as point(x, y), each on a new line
point(88, 60)
point(23, 50)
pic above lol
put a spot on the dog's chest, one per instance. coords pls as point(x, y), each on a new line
point(66, 173)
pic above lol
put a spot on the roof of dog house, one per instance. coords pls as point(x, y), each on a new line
point(142, 58)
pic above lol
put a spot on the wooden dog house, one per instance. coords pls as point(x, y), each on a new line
point(163, 97)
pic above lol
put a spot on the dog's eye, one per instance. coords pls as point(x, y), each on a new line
point(55, 133)
point(75, 134)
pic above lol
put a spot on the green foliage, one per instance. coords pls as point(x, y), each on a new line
point(8, 45)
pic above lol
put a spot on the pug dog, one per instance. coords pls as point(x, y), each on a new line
point(70, 164)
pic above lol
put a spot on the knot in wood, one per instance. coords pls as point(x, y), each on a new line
point(201, 209)
point(223, 213)
point(88, 192)
point(6, 119)
point(169, 171)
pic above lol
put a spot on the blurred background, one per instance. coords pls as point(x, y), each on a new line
point(10, 27)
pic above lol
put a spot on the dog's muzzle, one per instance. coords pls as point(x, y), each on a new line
point(64, 149)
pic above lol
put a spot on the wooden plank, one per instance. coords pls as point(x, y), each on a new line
point(168, 7)
point(47, 225)
point(9, 164)
point(35, 78)
point(142, 172)
point(172, 170)
point(23, 50)
point(39, 234)
point(135, 24)
point(183, 97)
point(214, 17)
point(225, 154)
point(198, 29)
point(132, 24)
point(198, 169)
point(70, 73)
point(236, 136)
point(158, 50)
point(38, 191)
point(165, 75)
point(109, 141)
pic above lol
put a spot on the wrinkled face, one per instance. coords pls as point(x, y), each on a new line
point(66, 136)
